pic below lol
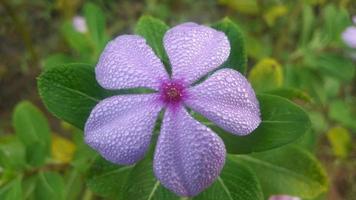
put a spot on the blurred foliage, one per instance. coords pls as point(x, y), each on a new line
point(294, 50)
point(246, 7)
point(35, 163)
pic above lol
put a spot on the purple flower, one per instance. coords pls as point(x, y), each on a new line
point(189, 156)
point(80, 24)
point(349, 35)
point(283, 197)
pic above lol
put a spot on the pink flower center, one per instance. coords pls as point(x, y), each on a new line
point(172, 92)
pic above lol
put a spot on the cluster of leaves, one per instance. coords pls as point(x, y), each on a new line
point(34, 161)
point(87, 45)
point(322, 67)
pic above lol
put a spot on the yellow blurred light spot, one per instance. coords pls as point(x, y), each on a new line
point(340, 140)
point(62, 149)
point(247, 7)
point(274, 13)
point(266, 75)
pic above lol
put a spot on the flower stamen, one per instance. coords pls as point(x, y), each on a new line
point(172, 92)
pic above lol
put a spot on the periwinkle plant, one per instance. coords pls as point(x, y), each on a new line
point(189, 156)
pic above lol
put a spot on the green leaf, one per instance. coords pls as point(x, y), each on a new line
point(340, 141)
point(107, 179)
point(288, 170)
point(238, 57)
point(50, 185)
point(333, 65)
point(57, 59)
point(84, 154)
point(343, 113)
point(336, 19)
point(256, 48)
point(33, 130)
point(331, 87)
point(250, 7)
point(70, 92)
point(274, 13)
point(29, 186)
point(74, 185)
point(308, 141)
point(225, 188)
point(282, 122)
point(30, 124)
point(95, 20)
point(12, 153)
point(12, 190)
point(76, 40)
point(142, 179)
point(153, 30)
point(291, 94)
point(236, 182)
point(318, 120)
point(307, 79)
point(266, 75)
point(314, 2)
point(308, 25)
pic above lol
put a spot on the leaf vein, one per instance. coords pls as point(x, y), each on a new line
point(225, 188)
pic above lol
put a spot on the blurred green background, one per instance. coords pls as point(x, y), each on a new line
point(294, 49)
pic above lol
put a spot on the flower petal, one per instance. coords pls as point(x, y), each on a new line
point(128, 62)
point(349, 36)
point(227, 99)
point(194, 50)
point(120, 127)
point(189, 156)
